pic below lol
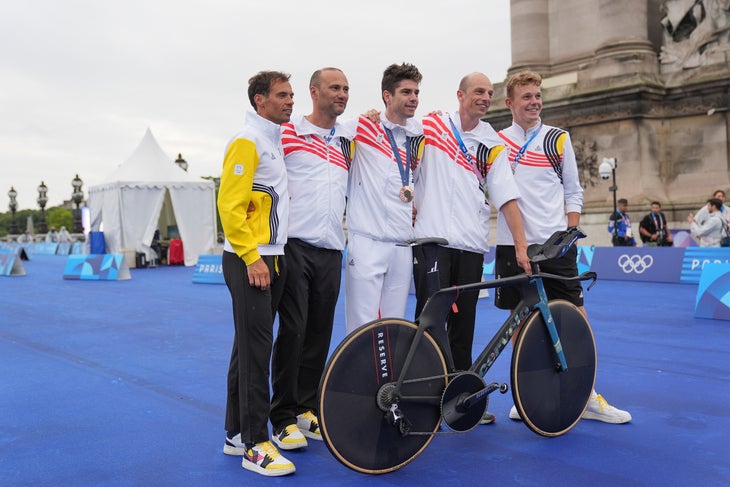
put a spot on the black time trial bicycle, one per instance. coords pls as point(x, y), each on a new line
point(390, 384)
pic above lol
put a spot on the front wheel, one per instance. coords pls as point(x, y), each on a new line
point(549, 400)
point(358, 377)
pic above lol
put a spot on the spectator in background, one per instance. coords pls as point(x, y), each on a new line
point(64, 236)
point(653, 228)
point(25, 238)
point(703, 214)
point(52, 236)
point(710, 232)
point(619, 225)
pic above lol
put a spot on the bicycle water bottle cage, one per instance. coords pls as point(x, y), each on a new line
point(556, 246)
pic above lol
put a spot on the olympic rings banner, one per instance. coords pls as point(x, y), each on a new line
point(653, 264)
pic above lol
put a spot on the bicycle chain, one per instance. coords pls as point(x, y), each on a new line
point(424, 433)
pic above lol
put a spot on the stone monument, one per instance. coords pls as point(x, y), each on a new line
point(644, 81)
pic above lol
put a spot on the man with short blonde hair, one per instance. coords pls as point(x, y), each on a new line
point(544, 166)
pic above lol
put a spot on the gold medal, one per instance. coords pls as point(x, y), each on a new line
point(406, 194)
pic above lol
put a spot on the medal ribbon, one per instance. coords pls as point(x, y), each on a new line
point(403, 171)
point(328, 138)
point(522, 150)
point(658, 222)
point(464, 151)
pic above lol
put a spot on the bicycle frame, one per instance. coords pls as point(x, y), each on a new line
point(437, 307)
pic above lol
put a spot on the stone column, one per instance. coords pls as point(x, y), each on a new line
point(530, 34)
point(624, 46)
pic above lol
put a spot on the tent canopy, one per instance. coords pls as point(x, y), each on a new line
point(149, 191)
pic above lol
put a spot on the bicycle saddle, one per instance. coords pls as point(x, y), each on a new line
point(556, 246)
point(423, 241)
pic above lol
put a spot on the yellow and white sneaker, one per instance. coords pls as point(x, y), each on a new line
point(600, 410)
point(263, 458)
point(290, 438)
point(308, 424)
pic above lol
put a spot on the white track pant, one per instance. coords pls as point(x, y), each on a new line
point(377, 280)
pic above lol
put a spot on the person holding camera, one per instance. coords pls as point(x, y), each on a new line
point(619, 225)
point(653, 228)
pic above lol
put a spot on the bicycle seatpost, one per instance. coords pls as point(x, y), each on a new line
point(429, 247)
point(430, 254)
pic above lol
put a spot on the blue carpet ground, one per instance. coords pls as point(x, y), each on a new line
point(123, 384)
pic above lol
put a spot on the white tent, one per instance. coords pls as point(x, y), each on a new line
point(149, 192)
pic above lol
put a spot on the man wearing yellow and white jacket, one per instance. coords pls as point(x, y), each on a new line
point(253, 203)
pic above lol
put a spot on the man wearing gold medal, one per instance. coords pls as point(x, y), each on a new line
point(379, 207)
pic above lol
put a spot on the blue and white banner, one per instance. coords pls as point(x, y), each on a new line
point(653, 264)
point(696, 258)
point(489, 261)
point(78, 248)
point(45, 248)
point(209, 269)
point(10, 263)
point(97, 267)
point(713, 292)
point(64, 248)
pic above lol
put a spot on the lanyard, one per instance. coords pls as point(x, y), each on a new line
point(522, 150)
point(403, 171)
point(464, 151)
point(658, 224)
point(327, 138)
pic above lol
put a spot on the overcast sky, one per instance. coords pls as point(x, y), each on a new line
point(82, 80)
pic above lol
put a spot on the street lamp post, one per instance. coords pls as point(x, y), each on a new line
point(42, 200)
point(12, 194)
point(77, 197)
point(181, 162)
point(608, 169)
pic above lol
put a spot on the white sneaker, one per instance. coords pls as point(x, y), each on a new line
point(290, 438)
point(513, 414)
point(487, 418)
point(600, 410)
point(263, 458)
point(233, 446)
point(309, 425)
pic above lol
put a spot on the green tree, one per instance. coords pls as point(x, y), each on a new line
point(60, 217)
point(57, 216)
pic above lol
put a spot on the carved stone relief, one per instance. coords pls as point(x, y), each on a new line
point(585, 157)
point(696, 33)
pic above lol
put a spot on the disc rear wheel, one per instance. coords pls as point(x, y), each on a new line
point(360, 375)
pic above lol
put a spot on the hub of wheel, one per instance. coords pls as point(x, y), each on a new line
point(385, 397)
